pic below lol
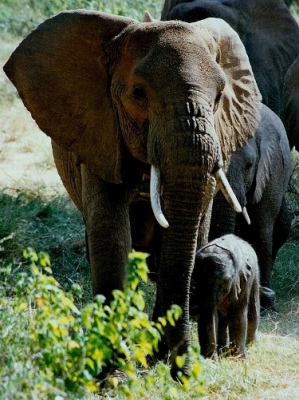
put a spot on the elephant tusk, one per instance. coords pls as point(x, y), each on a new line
point(147, 17)
point(246, 216)
point(155, 197)
point(226, 190)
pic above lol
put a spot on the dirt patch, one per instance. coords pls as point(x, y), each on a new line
point(28, 167)
point(26, 160)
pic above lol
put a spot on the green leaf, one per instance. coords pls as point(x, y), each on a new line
point(180, 361)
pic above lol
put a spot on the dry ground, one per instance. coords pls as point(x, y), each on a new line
point(26, 159)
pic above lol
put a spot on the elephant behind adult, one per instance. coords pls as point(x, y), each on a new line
point(290, 114)
point(120, 99)
point(259, 174)
point(268, 31)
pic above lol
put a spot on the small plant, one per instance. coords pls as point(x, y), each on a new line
point(51, 349)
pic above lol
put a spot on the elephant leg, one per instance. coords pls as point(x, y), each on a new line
point(262, 242)
point(207, 336)
point(106, 216)
point(69, 170)
point(204, 227)
point(282, 228)
point(253, 312)
point(146, 237)
point(146, 234)
point(87, 246)
point(222, 334)
point(237, 321)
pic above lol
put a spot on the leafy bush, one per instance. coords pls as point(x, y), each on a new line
point(51, 349)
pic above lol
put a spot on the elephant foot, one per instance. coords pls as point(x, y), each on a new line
point(224, 351)
point(105, 373)
point(162, 354)
point(237, 353)
point(179, 369)
point(177, 373)
point(269, 312)
point(267, 299)
point(104, 378)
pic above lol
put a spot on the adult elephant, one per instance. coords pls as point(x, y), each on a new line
point(267, 29)
point(259, 174)
point(290, 114)
point(120, 98)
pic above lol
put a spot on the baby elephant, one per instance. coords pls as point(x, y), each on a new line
point(225, 296)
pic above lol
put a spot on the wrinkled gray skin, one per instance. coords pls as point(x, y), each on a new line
point(225, 296)
point(290, 114)
point(270, 35)
point(259, 174)
point(117, 97)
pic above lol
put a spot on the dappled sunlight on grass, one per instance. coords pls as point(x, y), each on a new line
point(270, 371)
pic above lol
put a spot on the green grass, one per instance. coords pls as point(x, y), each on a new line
point(20, 17)
point(46, 224)
point(35, 211)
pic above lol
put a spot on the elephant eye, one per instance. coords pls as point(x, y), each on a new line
point(139, 95)
point(248, 166)
point(217, 99)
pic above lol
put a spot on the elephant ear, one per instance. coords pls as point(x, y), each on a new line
point(273, 150)
point(61, 73)
point(237, 116)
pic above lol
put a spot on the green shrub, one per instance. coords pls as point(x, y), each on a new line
point(285, 273)
point(50, 348)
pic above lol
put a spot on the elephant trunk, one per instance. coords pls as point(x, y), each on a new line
point(176, 265)
point(185, 205)
point(187, 156)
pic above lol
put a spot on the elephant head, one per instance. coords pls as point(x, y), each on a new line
point(175, 96)
point(267, 29)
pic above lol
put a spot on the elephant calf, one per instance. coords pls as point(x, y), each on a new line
point(225, 296)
